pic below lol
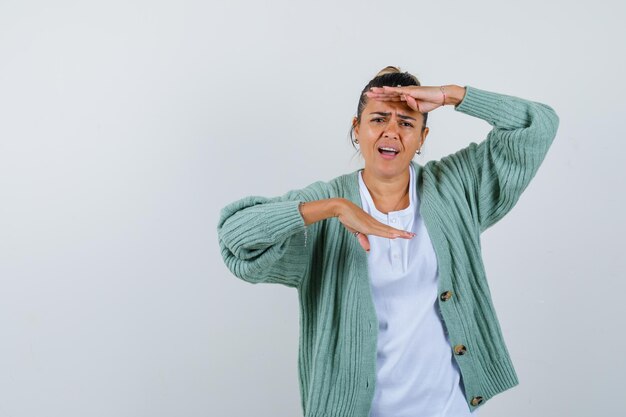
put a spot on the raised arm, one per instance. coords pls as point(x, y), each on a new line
point(497, 170)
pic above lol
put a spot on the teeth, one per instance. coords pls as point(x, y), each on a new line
point(388, 149)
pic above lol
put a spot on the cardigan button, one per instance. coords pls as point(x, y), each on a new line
point(460, 349)
point(476, 400)
point(445, 296)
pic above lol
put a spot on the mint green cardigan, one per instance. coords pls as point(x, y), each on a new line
point(265, 240)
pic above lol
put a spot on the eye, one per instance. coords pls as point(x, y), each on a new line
point(378, 120)
point(406, 124)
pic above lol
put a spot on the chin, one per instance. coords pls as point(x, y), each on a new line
point(389, 170)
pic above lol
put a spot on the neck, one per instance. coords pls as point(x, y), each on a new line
point(388, 193)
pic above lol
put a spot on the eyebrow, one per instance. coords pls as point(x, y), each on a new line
point(402, 116)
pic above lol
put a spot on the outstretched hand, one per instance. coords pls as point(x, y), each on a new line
point(356, 219)
point(420, 98)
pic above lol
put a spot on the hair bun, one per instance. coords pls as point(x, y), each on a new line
point(388, 70)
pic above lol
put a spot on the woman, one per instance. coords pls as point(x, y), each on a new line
point(396, 317)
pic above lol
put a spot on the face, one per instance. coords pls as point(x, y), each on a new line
point(389, 134)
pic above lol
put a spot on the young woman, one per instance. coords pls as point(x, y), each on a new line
point(396, 316)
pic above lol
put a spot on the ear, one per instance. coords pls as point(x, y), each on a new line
point(424, 134)
point(355, 124)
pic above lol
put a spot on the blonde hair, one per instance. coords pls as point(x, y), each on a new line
point(388, 70)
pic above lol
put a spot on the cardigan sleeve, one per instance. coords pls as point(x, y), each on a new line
point(496, 171)
point(264, 240)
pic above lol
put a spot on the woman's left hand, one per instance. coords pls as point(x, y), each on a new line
point(420, 98)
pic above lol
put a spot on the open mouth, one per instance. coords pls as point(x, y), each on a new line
point(388, 151)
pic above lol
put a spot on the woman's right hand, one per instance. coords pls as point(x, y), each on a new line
point(420, 98)
point(355, 219)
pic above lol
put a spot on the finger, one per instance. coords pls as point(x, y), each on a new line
point(382, 96)
point(413, 103)
point(390, 90)
point(386, 93)
point(391, 233)
point(385, 98)
point(364, 241)
point(399, 234)
point(383, 91)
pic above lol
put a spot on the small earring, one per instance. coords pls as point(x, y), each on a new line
point(419, 151)
point(356, 140)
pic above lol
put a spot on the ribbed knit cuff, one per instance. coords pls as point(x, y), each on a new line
point(284, 220)
point(264, 241)
point(499, 110)
point(251, 224)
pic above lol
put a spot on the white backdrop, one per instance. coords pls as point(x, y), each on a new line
point(126, 126)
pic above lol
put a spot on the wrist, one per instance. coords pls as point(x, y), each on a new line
point(454, 94)
point(337, 206)
point(315, 211)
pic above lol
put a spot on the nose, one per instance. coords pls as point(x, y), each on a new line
point(391, 129)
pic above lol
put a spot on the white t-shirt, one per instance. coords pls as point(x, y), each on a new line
point(416, 375)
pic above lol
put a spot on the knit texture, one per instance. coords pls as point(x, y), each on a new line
point(265, 240)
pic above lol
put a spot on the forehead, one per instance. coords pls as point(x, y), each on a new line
point(394, 107)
